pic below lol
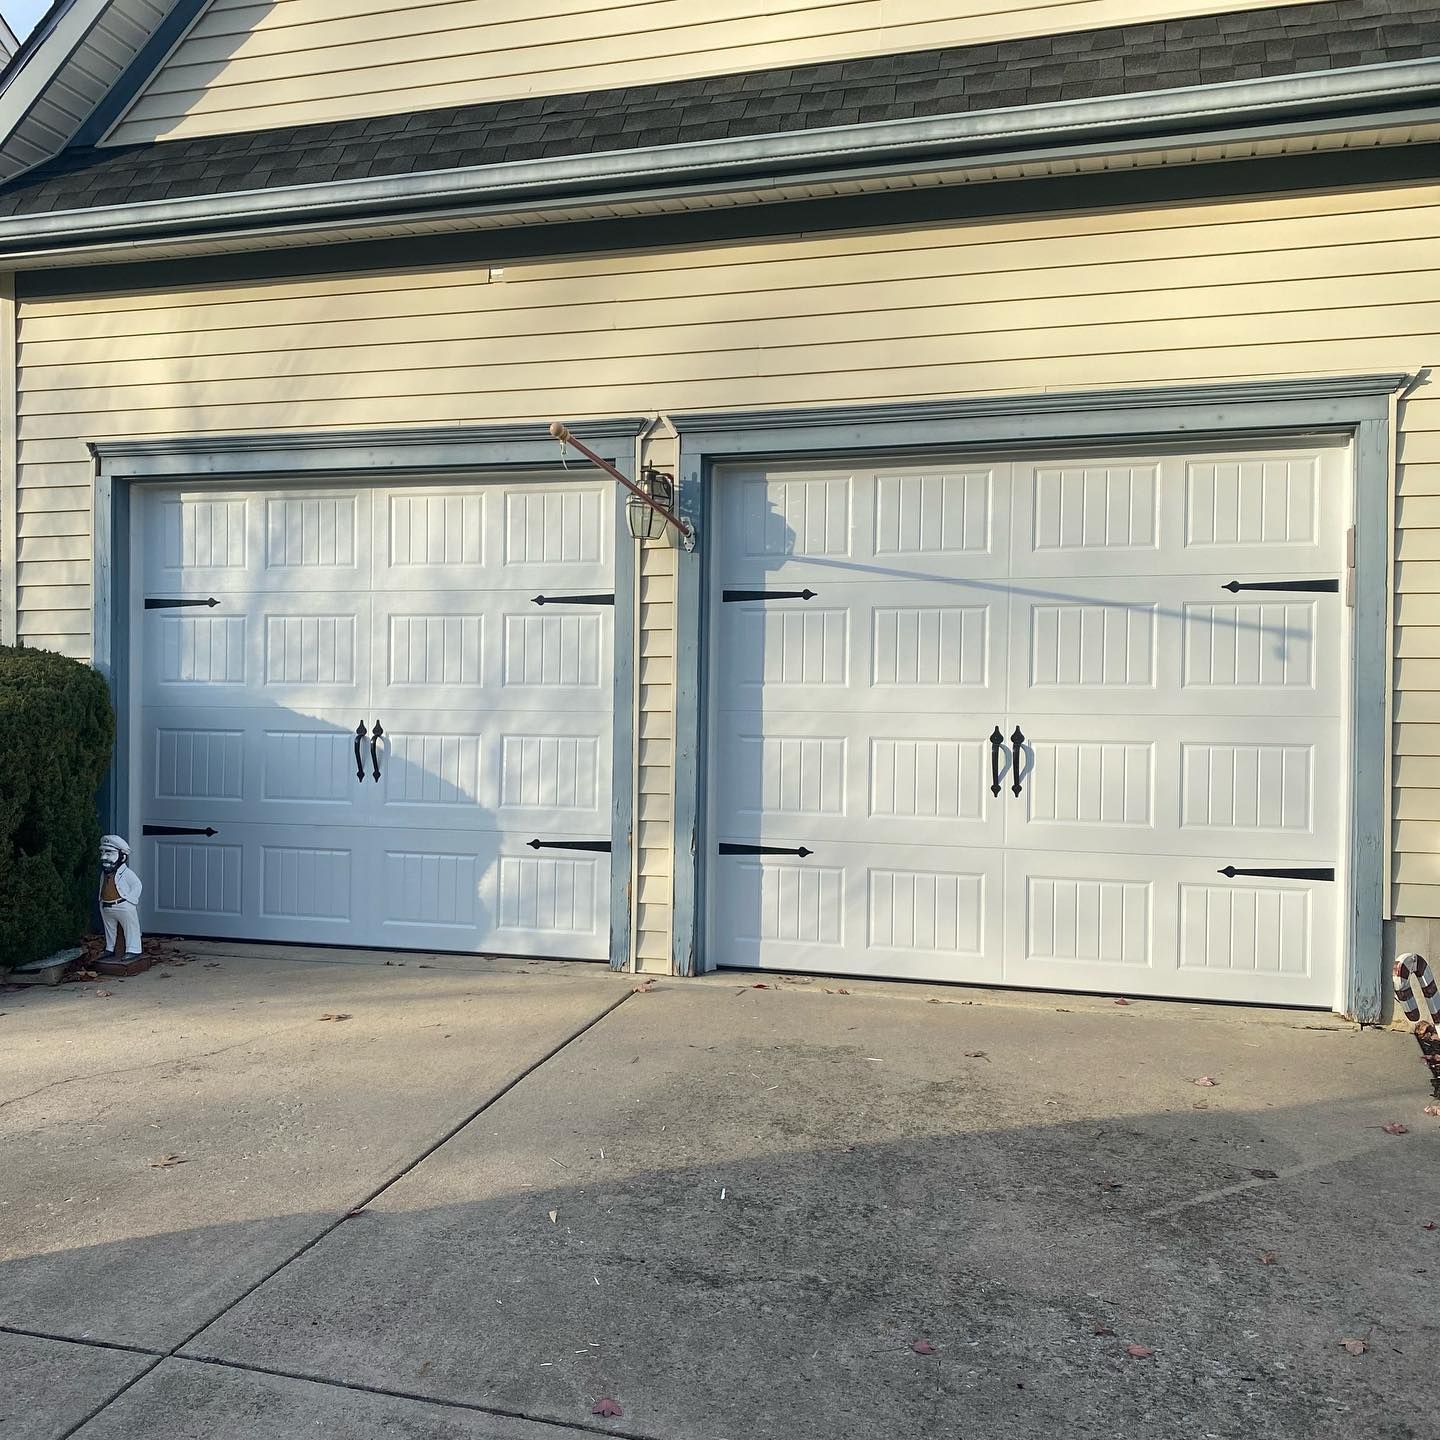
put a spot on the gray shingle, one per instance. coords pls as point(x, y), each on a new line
point(1125, 59)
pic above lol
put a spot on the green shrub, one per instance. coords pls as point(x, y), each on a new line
point(57, 730)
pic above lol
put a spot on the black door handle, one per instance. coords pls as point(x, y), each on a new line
point(375, 737)
point(1017, 740)
point(359, 763)
point(997, 744)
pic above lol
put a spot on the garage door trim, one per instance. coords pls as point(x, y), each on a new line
point(1359, 408)
point(425, 454)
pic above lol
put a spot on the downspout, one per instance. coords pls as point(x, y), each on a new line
point(9, 468)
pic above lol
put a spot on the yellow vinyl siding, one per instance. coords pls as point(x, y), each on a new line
point(247, 66)
point(1179, 292)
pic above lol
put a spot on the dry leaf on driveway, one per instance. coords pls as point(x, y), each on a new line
point(1395, 1128)
point(340, 1017)
point(1355, 1347)
point(1208, 1081)
point(1103, 1329)
point(166, 1161)
point(605, 1406)
point(1267, 1257)
point(554, 1217)
point(1139, 1352)
point(922, 1347)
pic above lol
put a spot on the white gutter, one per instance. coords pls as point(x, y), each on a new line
point(767, 157)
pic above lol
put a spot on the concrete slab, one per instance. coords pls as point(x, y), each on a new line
point(737, 1210)
point(184, 1401)
point(275, 1119)
point(51, 1386)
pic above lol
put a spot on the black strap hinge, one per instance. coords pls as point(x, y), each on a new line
point(176, 830)
point(572, 600)
point(1319, 872)
point(168, 604)
point(732, 597)
point(599, 846)
point(1327, 587)
point(727, 849)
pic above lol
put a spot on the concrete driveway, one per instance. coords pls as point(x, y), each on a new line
point(497, 1194)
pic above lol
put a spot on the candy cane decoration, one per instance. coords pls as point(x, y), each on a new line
point(1414, 965)
point(1426, 1032)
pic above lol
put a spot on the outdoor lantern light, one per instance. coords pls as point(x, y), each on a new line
point(646, 522)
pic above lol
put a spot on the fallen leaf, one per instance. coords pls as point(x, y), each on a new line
point(1122, 1001)
point(1139, 1352)
point(1103, 1330)
point(1432, 1109)
point(922, 1347)
point(1266, 1257)
point(554, 1217)
point(1355, 1347)
point(931, 1001)
point(976, 1055)
point(352, 1214)
point(1395, 1128)
point(1428, 1225)
point(1265, 1174)
point(340, 1017)
point(1207, 1081)
point(760, 985)
point(605, 1406)
point(166, 1161)
point(842, 991)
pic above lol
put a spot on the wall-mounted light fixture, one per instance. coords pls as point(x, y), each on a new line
point(646, 521)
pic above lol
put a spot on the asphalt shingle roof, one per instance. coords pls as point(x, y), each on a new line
point(1124, 59)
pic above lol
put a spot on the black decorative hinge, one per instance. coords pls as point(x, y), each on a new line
point(731, 597)
point(573, 600)
point(726, 849)
point(165, 604)
point(596, 845)
point(1329, 587)
point(1315, 873)
point(175, 830)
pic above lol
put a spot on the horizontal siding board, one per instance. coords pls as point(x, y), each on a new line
point(312, 60)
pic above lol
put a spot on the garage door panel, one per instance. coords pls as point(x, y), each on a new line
point(805, 777)
point(1181, 514)
point(311, 652)
point(201, 543)
point(867, 647)
point(1172, 645)
point(1202, 786)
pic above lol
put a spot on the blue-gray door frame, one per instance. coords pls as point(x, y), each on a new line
point(1355, 406)
point(459, 453)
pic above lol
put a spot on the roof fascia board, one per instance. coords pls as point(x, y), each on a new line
point(35, 74)
point(915, 144)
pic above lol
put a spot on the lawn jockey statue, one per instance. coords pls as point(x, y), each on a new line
point(120, 889)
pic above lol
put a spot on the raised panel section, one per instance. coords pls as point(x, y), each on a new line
point(314, 532)
point(309, 649)
point(1257, 501)
point(199, 764)
point(550, 772)
point(554, 527)
point(1252, 929)
point(203, 534)
point(1090, 783)
point(793, 647)
point(432, 769)
point(1257, 645)
point(197, 879)
point(1092, 645)
point(201, 649)
point(927, 910)
point(552, 650)
point(422, 888)
point(933, 779)
point(548, 895)
point(930, 645)
point(784, 517)
point(300, 883)
point(435, 649)
point(1104, 921)
point(1095, 507)
point(309, 765)
point(796, 903)
point(789, 775)
point(437, 529)
point(939, 514)
point(1248, 787)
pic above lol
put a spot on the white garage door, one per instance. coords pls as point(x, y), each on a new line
point(1014, 723)
point(388, 630)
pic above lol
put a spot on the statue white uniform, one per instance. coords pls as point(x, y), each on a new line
point(120, 889)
